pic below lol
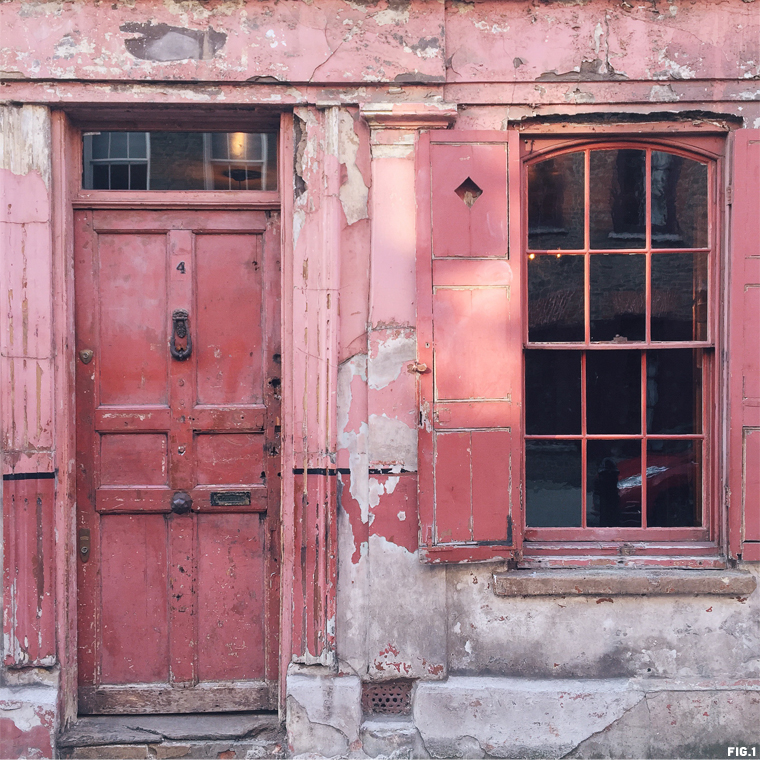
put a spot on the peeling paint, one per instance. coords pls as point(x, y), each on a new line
point(25, 140)
point(389, 357)
point(161, 42)
point(392, 442)
point(354, 193)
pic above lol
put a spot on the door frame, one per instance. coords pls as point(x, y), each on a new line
point(66, 133)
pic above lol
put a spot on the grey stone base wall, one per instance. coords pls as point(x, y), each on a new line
point(479, 717)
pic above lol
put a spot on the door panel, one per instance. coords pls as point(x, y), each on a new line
point(177, 608)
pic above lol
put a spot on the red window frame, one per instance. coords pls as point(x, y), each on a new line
point(543, 544)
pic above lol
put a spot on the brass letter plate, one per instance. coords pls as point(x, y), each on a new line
point(230, 498)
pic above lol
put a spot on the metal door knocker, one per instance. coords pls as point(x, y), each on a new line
point(182, 502)
point(181, 330)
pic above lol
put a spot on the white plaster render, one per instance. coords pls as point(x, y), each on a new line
point(25, 140)
point(353, 599)
point(324, 713)
point(391, 358)
point(516, 717)
point(354, 193)
point(25, 705)
point(377, 488)
point(407, 607)
point(602, 637)
point(354, 441)
point(392, 442)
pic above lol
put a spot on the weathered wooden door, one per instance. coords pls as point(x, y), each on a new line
point(178, 366)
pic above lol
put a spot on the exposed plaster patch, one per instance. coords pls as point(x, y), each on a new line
point(377, 488)
point(663, 93)
point(354, 441)
point(25, 140)
point(579, 96)
point(73, 44)
point(354, 193)
point(401, 642)
point(674, 69)
point(161, 42)
point(489, 26)
point(392, 16)
point(392, 442)
point(306, 737)
point(399, 150)
point(28, 707)
point(597, 70)
point(388, 361)
point(560, 713)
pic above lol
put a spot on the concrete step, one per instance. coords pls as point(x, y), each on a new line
point(122, 737)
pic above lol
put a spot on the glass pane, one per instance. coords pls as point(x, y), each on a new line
point(553, 484)
point(674, 391)
point(119, 176)
point(617, 300)
point(674, 484)
point(100, 177)
point(555, 299)
point(555, 203)
point(613, 392)
point(138, 177)
point(100, 145)
point(183, 161)
point(614, 484)
point(552, 392)
point(679, 296)
point(137, 146)
point(253, 150)
point(679, 202)
point(219, 145)
point(617, 198)
point(119, 143)
point(176, 161)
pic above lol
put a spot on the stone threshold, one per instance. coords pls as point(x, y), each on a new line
point(227, 735)
point(624, 582)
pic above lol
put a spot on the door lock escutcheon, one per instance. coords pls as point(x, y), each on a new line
point(86, 355)
point(84, 544)
point(181, 331)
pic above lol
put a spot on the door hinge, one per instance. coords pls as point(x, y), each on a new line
point(729, 195)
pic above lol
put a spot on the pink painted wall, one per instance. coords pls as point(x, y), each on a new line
point(412, 40)
point(27, 431)
point(350, 221)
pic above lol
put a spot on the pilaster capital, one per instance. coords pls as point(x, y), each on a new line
point(409, 116)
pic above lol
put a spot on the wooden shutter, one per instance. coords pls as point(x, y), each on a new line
point(744, 453)
point(469, 338)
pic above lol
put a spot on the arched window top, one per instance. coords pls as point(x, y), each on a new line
point(618, 197)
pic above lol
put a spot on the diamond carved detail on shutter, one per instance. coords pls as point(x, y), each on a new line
point(469, 192)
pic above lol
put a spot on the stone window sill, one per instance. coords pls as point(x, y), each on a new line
point(623, 582)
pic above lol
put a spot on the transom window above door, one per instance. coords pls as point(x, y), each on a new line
point(618, 344)
point(179, 161)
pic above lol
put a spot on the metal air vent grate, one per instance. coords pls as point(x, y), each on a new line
point(387, 697)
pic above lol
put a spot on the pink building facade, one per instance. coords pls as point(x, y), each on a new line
point(433, 527)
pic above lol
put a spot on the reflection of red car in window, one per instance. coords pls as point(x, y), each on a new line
point(671, 488)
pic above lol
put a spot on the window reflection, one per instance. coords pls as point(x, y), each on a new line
point(180, 161)
point(618, 199)
point(679, 202)
point(556, 203)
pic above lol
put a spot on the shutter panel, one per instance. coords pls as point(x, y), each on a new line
point(744, 455)
point(469, 337)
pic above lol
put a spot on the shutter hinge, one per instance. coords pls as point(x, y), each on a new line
point(729, 195)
